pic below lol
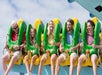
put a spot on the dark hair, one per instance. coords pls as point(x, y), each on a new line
point(71, 21)
point(34, 30)
point(91, 22)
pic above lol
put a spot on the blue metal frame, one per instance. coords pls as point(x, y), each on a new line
point(64, 70)
point(70, 1)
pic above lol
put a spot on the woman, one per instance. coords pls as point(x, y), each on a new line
point(51, 42)
point(34, 55)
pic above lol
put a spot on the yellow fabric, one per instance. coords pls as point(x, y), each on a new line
point(42, 37)
point(50, 39)
point(37, 23)
point(75, 20)
point(19, 22)
point(18, 62)
point(100, 35)
point(56, 21)
point(94, 19)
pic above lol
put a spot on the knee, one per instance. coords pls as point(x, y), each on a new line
point(15, 57)
point(4, 58)
point(25, 58)
point(94, 58)
point(80, 60)
point(72, 60)
point(53, 59)
point(94, 61)
point(33, 59)
point(58, 61)
point(42, 60)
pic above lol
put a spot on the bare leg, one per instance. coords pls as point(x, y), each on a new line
point(53, 59)
point(12, 61)
point(26, 63)
point(73, 58)
point(80, 61)
point(32, 62)
point(43, 59)
point(59, 60)
point(5, 58)
point(94, 60)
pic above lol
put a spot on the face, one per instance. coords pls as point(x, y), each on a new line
point(69, 26)
point(89, 27)
point(15, 27)
point(32, 32)
point(51, 25)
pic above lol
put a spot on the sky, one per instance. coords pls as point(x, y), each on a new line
point(30, 10)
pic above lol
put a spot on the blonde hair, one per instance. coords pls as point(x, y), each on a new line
point(49, 27)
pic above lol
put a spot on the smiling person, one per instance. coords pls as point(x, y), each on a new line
point(50, 34)
point(34, 53)
point(90, 26)
point(64, 54)
point(17, 52)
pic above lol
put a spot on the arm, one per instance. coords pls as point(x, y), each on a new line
point(98, 46)
point(57, 43)
point(75, 47)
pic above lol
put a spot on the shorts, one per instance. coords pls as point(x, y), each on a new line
point(15, 53)
point(74, 55)
point(65, 56)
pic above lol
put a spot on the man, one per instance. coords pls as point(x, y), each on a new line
point(64, 54)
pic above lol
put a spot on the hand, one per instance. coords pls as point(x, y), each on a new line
point(61, 50)
point(16, 47)
point(81, 44)
point(93, 45)
point(22, 46)
point(72, 48)
point(47, 51)
point(37, 46)
point(57, 43)
point(66, 51)
point(54, 43)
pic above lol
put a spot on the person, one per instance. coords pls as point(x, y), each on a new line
point(15, 54)
point(50, 34)
point(64, 54)
point(90, 39)
point(34, 55)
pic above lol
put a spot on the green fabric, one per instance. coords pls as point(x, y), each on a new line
point(22, 30)
point(75, 38)
point(53, 49)
point(31, 48)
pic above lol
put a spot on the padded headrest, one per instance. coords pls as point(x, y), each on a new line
point(56, 21)
point(95, 20)
point(19, 22)
point(37, 23)
point(75, 20)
